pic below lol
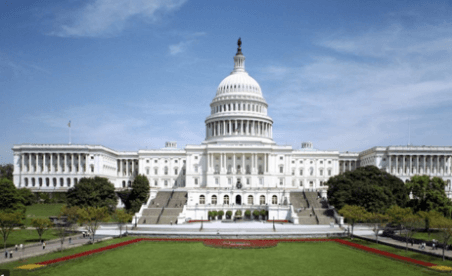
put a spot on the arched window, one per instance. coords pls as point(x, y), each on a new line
point(47, 182)
point(166, 182)
point(311, 171)
point(250, 200)
point(123, 184)
point(262, 200)
point(61, 182)
point(176, 171)
point(281, 169)
point(166, 170)
point(68, 182)
point(129, 184)
point(196, 168)
point(202, 199)
point(26, 182)
point(226, 199)
point(214, 199)
point(75, 181)
point(40, 182)
point(54, 182)
point(274, 199)
point(156, 183)
point(33, 182)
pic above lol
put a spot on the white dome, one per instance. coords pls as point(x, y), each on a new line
point(239, 82)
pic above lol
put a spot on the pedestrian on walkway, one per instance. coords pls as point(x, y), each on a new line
point(43, 245)
point(16, 247)
point(21, 246)
point(10, 254)
point(70, 240)
point(6, 254)
point(433, 246)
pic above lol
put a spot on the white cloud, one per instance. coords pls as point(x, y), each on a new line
point(352, 102)
point(109, 17)
point(182, 46)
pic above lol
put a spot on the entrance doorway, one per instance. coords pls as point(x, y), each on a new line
point(238, 200)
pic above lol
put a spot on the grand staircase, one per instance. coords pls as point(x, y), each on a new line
point(311, 209)
point(164, 208)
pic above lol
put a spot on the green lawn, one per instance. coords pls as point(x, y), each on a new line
point(26, 236)
point(41, 211)
point(178, 258)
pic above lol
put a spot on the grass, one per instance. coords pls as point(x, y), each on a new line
point(64, 253)
point(42, 211)
point(27, 236)
point(179, 258)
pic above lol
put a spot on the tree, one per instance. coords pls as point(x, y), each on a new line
point(445, 234)
point(238, 213)
point(229, 214)
point(248, 213)
point(9, 220)
point(10, 199)
point(429, 194)
point(139, 194)
point(28, 197)
point(263, 213)
point(220, 214)
point(209, 215)
point(428, 217)
point(256, 214)
point(93, 192)
point(397, 215)
point(214, 214)
point(411, 223)
point(41, 225)
point(121, 217)
point(369, 187)
point(6, 171)
point(354, 214)
point(378, 221)
point(92, 217)
point(67, 221)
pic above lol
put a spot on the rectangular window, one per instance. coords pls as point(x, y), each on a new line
point(293, 172)
point(261, 181)
point(196, 181)
point(321, 172)
point(248, 181)
point(155, 183)
point(281, 181)
point(329, 172)
point(156, 171)
point(301, 172)
point(147, 171)
point(281, 169)
point(217, 181)
point(229, 180)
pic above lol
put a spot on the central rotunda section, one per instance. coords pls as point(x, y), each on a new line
point(239, 110)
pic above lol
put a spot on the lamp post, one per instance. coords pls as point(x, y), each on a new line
point(274, 229)
point(200, 229)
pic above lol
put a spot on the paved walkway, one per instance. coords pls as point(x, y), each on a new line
point(32, 250)
point(428, 249)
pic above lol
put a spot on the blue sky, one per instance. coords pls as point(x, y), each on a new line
point(346, 75)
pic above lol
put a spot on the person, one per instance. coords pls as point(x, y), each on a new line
point(21, 246)
point(6, 254)
point(70, 240)
point(433, 246)
point(43, 245)
point(16, 247)
point(412, 242)
point(10, 254)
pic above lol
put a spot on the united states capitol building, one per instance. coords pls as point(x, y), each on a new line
point(237, 167)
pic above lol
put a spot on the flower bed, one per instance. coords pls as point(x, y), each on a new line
point(248, 244)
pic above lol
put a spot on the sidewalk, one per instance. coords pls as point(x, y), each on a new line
point(36, 249)
point(391, 242)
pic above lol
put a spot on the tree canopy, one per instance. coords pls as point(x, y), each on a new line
point(93, 192)
point(139, 194)
point(369, 187)
point(6, 171)
point(10, 199)
point(92, 217)
point(429, 195)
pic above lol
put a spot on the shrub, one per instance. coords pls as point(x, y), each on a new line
point(238, 213)
point(229, 214)
point(248, 213)
point(263, 213)
point(214, 214)
point(209, 214)
point(256, 213)
point(220, 214)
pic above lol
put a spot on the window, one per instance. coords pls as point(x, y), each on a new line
point(262, 200)
point(226, 199)
point(165, 170)
point(147, 161)
point(329, 172)
point(196, 157)
point(155, 161)
point(202, 199)
point(311, 184)
point(301, 183)
point(321, 162)
point(260, 169)
point(281, 169)
point(147, 171)
point(281, 181)
point(175, 161)
point(261, 181)
point(248, 171)
point(311, 171)
point(301, 172)
point(329, 162)
point(250, 200)
point(293, 171)
point(196, 168)
point(156, 183)
point(321, 172)
point(280, 158)
point(293, 161)
point(175, 171)
point(156, 171)
point(217, 169)
point(196, 181)
point(248, 181)
point(274, 199)
point(217, 181)
point(166, 183)
point(301, 161)
point(214, 199)
point(123, 184)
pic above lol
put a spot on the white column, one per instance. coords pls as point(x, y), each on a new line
point(121, 167)
point(133, 167)
point(403, 164)
point(397, 164)
point(431, 164)
point(29, 162)
point(243, 163)
point(79, 162)
point(51, 163)
point(417, 164)
point(233, 164)
point(22, 159)
point(265, 163)
point(37, 162)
